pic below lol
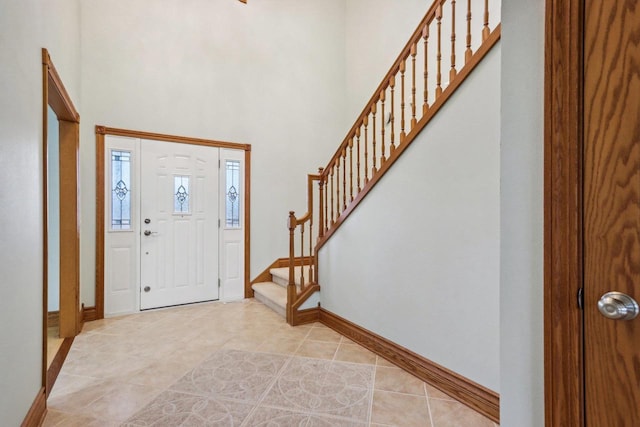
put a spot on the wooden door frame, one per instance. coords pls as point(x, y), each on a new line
point(101, 132)
point(563, 208)
point(56, 96)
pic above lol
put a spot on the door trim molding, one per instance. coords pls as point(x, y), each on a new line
point(55, 95)
point(563, 207)
point(101, 131)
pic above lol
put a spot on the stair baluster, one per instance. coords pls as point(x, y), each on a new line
point(468, 53)
point(453, 71)
point(373, 133)
point(425, 38)
point(485, 29)
point(439, 51)
point(338, 186)
point(358, 156)
point(392, 85)
point(350, 170)
point(366, 149)
point(414, 121)
point(383, 124)
point(403, 134)
point(321, 201)
point(344, 179)
point(332, 206)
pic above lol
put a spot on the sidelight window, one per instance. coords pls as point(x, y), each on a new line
point(120, 190)
point(232, 189)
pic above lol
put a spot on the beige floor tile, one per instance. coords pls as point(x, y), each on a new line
point(280, 345)
point(233, 374)
point(172, 367)
point(398, 409)
point(355, 354)
point(274, 417)
point(158, 375)
point(448, 413)
point(351, 374)
point(239, 343)
point(179, 409)
point(317, 349)
point(60, 419)
point(120, 401)
point(381, 361)
point(67, 384)
point(434, 393)
point(320, 397)
point(323, 334)
point(107, 400)
point(395, 379)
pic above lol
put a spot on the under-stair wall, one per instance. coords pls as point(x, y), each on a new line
point(418, 262)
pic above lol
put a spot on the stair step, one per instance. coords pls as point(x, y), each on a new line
point(272, 295)
point(281, 275)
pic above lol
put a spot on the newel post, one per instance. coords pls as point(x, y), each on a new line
point(291, 288)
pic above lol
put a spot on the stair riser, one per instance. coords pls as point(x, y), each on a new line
point(272, 305)
point(280, 280)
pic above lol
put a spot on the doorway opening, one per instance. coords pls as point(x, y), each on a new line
point(61, 258)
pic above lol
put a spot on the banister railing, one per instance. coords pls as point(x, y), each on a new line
point(303, 272)
point(409, 95)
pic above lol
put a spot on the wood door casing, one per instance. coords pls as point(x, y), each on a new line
point(611, 208)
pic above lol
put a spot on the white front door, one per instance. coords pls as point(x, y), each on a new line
point(178, 223)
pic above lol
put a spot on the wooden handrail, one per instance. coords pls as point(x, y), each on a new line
point(404, 54)
point(378, 142)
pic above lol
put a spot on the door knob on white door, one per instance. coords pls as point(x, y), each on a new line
point(618, 306)
point(149, 232)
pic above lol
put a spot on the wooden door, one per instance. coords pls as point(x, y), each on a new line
point(611, 209)
point(179, 224)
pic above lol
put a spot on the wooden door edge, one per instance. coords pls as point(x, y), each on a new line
point(563, 330)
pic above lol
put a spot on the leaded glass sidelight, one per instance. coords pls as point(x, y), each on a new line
point(232, 208)
point(181, 194)
point(120, 190)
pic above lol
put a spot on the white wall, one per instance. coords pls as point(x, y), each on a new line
point(521, 246)
point(25, 27)
point(418, 261)
point(376, 31)
point(269, 73)
point(53, 211)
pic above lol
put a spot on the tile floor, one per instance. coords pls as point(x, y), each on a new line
point(236, 364)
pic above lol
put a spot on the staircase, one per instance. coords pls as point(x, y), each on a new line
point(450, 41)
point(273, 293)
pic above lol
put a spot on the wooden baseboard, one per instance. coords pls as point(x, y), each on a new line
point(53, 318)
point(56, 363)
point(475, 396)
point(35, 416)
point(301, 317)
point(89, 314)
